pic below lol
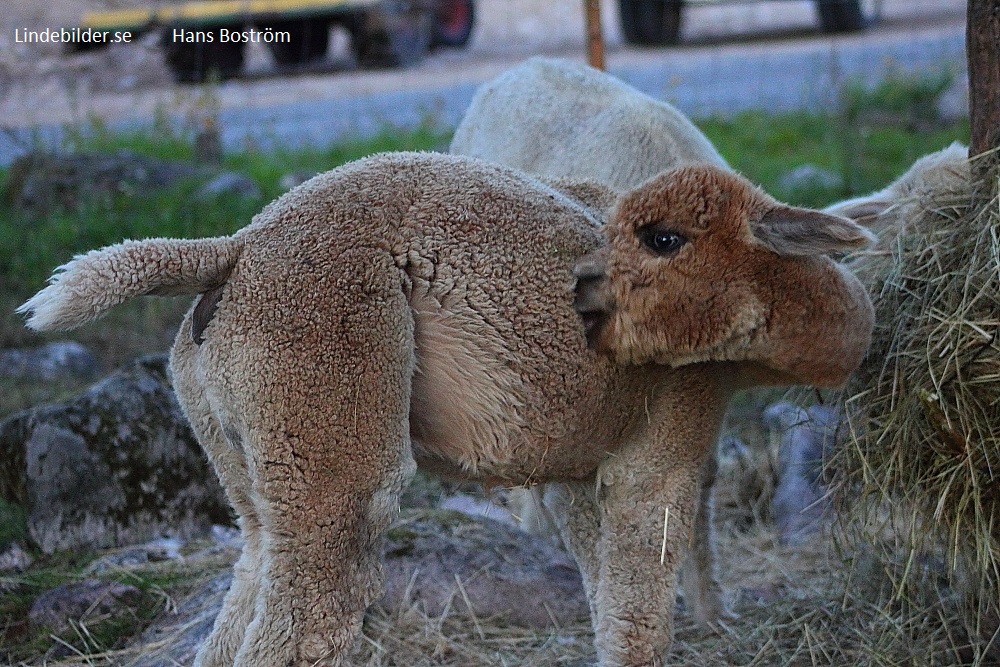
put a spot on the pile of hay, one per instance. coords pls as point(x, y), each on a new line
point(921, 476)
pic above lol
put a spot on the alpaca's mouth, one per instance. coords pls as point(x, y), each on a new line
point(593, 323)
point(592, 301)
point(591, 305)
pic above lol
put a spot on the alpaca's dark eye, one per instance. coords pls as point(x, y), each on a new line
point(661, 241)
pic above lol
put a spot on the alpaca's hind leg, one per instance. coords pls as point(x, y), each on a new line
point(227, 457)
point(702, 593)
point(573, 509)
point(527, 506)
point(328, 436)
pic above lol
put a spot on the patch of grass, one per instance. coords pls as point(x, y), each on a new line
point(160, 585)
point(19, 640)
point(910, 99)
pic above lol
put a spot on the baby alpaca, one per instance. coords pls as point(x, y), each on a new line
point(430, 308)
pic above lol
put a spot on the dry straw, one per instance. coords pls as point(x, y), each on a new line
point(921, 476)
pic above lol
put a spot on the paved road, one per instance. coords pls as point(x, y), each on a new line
point(795, 72)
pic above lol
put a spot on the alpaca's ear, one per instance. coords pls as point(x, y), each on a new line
point(862, 212)
point(789, 230)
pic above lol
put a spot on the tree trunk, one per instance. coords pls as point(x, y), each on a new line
point(983, 53)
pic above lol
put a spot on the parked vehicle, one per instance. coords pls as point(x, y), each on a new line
point(658, 22)
point(205, 38)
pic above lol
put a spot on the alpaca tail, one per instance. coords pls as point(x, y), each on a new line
point(90, 285)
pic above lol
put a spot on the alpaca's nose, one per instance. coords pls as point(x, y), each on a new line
point(590, 267)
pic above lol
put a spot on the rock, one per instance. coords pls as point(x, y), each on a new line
point(119, 560)
point(166, 548)
point(229, 183)
point(115, 465)
point(174, 638)
point(15, 559)
point(808, 176)
point(39, 182)
point(84, 601)
point(49, 362)
point(503, 571)
point(804, 437)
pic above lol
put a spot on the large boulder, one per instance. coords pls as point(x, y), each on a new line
point(115, 465)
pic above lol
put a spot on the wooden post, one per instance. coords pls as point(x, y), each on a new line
point(982, 43)
point(595, 41)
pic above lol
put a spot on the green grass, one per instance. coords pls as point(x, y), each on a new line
point(13, 524)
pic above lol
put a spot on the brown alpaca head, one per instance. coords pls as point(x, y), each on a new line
point(702, 265)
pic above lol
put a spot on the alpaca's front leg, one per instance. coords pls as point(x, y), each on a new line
point(645, 527)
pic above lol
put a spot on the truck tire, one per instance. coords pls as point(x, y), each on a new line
point(651, 22)
point(848, 15)
point(309, 40)
point(397, 35)
point(453, 23)
point(202, 61)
